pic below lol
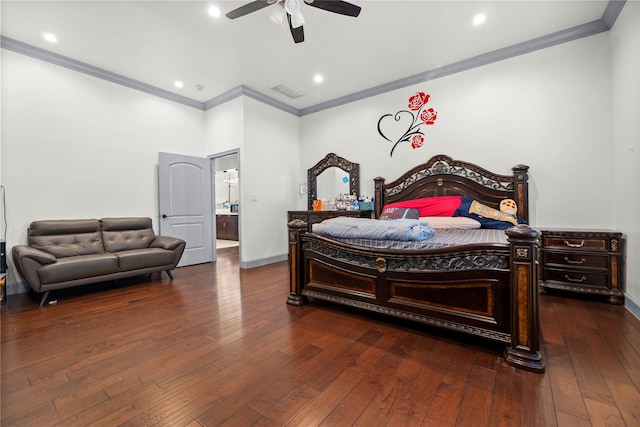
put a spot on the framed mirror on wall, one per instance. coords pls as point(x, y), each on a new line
point(331, 176)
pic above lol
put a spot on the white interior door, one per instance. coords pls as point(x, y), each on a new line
point(184, 185)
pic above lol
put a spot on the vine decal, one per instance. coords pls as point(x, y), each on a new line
point(408, 123)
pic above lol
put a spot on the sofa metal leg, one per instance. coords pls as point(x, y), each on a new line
point(169, 273)
point(44, 298)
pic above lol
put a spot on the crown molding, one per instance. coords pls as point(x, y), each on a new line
point(269, 101)
point(553, 39)
point(609, 16)
point(611, 12)
point(248, 92)
point(82, 67)
point(223, 98)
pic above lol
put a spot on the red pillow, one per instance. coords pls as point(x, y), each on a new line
point(431, 206)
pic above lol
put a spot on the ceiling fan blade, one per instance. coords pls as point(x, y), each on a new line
point(337, 6)
point(248, 8)
point(297, 33)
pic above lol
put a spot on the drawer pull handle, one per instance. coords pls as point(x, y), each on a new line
point(574, 245)
point(580, 280)
point(574, 262)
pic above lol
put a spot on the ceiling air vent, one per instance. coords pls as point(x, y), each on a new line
point(288, 91)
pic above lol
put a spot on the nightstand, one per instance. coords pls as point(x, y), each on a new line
point(585, 261)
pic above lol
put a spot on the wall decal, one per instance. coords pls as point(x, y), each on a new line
point(408, 125)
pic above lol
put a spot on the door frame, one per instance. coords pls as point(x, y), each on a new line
point(212, 158)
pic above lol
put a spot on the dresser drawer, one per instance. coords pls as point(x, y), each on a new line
point(585, 261)
point(577, 243)
point(577, 277)
point(576, 259)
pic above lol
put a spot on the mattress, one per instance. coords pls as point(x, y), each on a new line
point(442, 238)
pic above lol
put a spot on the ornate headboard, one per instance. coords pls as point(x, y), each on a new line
point(443, 176)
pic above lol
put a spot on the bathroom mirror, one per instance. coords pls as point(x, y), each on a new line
point(327, 178)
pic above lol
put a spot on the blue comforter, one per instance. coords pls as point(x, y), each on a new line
point(364, 228)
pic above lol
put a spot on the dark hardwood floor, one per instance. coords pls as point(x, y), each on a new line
point(219, 346)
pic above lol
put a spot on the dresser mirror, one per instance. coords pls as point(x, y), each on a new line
point(331, 176)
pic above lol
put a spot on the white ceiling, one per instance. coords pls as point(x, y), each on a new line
point(159, 42)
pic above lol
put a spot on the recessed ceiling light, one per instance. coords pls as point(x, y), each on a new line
point(318, 78)
point(178, 83)
point(50, 37)
point(214, 11)
point(479, 19)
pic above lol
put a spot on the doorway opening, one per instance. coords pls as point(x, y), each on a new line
point(226, 196)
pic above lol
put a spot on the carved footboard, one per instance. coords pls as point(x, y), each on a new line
point(485, 291)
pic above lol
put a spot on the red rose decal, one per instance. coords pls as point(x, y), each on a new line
point(428, 116)
point(418, 100)
point(408, 125)
point(417, 141)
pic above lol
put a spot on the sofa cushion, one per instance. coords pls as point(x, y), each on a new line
point(121, 234)
point(67, 237)
point(78, 267)
point(137, 259)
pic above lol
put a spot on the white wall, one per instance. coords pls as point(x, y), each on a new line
point(224, 127)
point(548, 109)
point(625, 59)
point(268, 141)
point(74, 146)
point(269, 181)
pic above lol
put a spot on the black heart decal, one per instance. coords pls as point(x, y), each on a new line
point(394, 127)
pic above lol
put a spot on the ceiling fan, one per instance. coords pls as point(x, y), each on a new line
point(290, 10)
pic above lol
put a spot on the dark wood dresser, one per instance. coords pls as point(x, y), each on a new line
point(586, 261)
point(227, 227)
point(314, 217)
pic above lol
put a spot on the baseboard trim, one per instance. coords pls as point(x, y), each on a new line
point(632, 306)
point(17, 288)
point(264, 261)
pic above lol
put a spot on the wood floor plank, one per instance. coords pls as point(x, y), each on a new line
point(564, 383)
point(377, 364)
point(590, 380)
point(317, 410)
point(506, 405)
point(627, 398)
point(603, 414)
point(218, 345)
point(552, 331)
point(475, 408)
point(539, 407)
point(445, 406)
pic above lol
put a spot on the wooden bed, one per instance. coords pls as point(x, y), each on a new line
point(486, 290)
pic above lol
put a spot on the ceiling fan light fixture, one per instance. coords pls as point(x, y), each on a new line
point(292, 6)
point(297, 20)
point(278, 15)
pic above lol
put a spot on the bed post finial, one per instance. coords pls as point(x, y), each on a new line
point(521, 190)
point(378, 195)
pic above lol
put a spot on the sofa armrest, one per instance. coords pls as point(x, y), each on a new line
point(22, 251)
point(166, 242)
point(27, 261)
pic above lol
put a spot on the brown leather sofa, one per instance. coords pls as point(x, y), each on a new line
point(66, 253)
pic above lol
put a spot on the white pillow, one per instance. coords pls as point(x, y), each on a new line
point(459, 222)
